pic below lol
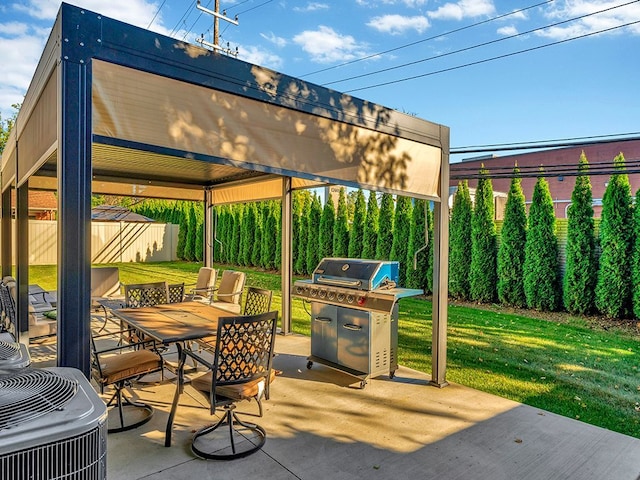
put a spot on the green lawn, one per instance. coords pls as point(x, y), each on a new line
point(567, 365)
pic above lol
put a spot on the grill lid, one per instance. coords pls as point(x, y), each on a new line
point(29, 394)
point(356, 273)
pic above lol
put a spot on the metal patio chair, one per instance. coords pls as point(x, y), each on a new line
point(258, 300)
point(204, 287)
point(229, 292)
point(240, 371)
point(146, 294)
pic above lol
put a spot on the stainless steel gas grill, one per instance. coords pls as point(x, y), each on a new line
point(354, 315)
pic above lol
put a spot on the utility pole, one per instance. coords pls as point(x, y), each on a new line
point(217, 16)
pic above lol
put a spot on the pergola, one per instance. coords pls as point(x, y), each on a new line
point(117, 109)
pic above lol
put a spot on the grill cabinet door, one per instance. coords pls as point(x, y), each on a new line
point(353, 339)
point(324, 331)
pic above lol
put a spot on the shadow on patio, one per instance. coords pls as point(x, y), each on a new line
point(319, 426)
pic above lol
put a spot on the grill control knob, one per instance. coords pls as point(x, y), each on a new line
point(331, 295)
point(322, 293)
point(298, 290)
point(361, 301)
point(314, 292)
point(350, 298)
point(341, 297)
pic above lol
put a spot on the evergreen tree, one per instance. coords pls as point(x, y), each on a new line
point(277, 213)
point(417, 277)
point(460, 243)
point(428, 278)
point(581, 265)
point(513, 239)
point(199, 232)
point(190, 240)
point(270, 238)
point(182, 232)
point(296, 211)
point(248, 231)
point(236, 221)
point(385, 228)
point(635, 268)
point(484, 248)
point(401, 233)
point(541, 266)
point(327, 222)
point(613, 288)
point(313, 235)
point(300, 267)
point(370, 235)
point(341, 228)
point(356, 234)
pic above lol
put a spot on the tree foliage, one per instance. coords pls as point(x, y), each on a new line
point(401, 234)
point(385, 228)
point(300, 267)
point(581, 262)
point(541, 266)
point(341, 227)
point(460, 243)
point(635, 268)
point(513, 238)
point(313, 234)
point(370, 234)
point(613, 288)
point(327, 222)
point(484, 246)
point(356, 233)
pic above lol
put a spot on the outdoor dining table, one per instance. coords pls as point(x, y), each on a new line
point(174, 323)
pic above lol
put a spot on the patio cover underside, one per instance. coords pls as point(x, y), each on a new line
point(116, 109)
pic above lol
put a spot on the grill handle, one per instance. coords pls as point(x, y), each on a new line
point(352, 326)
point(338, 283)
point(322, 319)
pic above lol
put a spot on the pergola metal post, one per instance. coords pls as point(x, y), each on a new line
point(74, 212)
point(6, 256)
point(287, 267)
point(441, 270)
point(22, 275)
point(208, 228)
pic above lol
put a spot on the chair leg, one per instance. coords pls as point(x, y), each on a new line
point(122, 401)
point(208, 448)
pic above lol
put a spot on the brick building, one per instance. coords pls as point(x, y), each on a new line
point(560, 167)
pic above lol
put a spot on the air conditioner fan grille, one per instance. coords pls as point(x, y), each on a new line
point(9, 350)
point(28, 394)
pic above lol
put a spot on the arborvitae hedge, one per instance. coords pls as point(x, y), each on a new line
point(484, 246)
point(460, 243)
point(416, 278)
point(513, 237)
point(401, 233)
point(183, 221)
point(327, 222)
point(635, 269)
point(341, 228)
point(581, 265)
point(541, 267)
point(356, 234)
point(300, 267)
point(199, 232)
point(613, 290)
point(313, 233)
point(370, 235)
point(235, 234)
point(385, 228)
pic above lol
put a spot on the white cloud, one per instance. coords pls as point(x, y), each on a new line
point(398, 24)
point(311, 7)
point(325, 45)
point(260, 56)
point(507, 31)
point(408, 3)
point(271, 37)
point(463, 9)
point(594, 23)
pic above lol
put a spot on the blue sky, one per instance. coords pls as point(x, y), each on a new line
point(580, 87)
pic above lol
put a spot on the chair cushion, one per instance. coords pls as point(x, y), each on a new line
point(127, 365)
point(230, 307)
point(242, 391)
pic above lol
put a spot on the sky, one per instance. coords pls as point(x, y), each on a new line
point(495, 71)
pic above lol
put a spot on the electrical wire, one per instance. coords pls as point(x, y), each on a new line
point(494, 146)
point(486, 60)
point(184, 17)
point(157, 12)
point(491, 42)
point(450, 32)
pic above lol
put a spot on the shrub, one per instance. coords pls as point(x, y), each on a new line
point(356, 234)
point(370, 235)
point(401, 232)
point(484, 246)
point(460, 243)
point(385, 228)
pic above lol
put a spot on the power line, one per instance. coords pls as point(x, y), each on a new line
point(157, 12)
point(498, 40)
point(427, 39)
point(486, 60)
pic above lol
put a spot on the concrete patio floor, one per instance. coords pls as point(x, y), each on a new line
point(320, 426)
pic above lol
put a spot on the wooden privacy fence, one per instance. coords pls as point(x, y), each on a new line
point(111, 242)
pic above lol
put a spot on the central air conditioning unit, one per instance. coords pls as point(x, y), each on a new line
point(13, 355)
point(52, 426)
